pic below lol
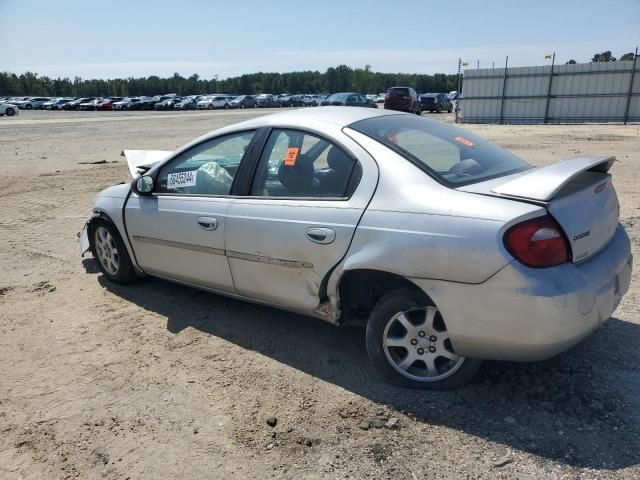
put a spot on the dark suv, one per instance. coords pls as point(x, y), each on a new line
point(436, 102)
point(404, 99)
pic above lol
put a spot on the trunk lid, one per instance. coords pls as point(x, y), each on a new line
point(578, 193)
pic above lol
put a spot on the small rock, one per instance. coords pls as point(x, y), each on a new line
point(270, 446)
point(504, 460)
point(378, 422)
point(392, 423)
point(364, 425)
point(272, 421)
point(510, 420)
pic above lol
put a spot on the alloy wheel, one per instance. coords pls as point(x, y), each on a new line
point(417, 345)
point(107, 250)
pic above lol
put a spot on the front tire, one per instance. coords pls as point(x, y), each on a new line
point(407, 341)
point(109, 250)
point(10, 112)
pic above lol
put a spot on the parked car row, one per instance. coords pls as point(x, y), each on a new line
point(396, 98)
point(405, 99)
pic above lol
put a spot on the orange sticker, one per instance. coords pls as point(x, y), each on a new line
point(464, 141)
point(292, 155)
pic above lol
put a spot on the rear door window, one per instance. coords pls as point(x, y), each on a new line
point(300, 164)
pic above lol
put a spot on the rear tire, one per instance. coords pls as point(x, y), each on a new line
point(110, 252)
point(408, 342)
point(10, 112)
point(28, 107)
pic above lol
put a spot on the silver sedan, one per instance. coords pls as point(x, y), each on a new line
point(449, 249)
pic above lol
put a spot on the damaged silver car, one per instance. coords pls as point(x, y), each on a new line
point(449, 249)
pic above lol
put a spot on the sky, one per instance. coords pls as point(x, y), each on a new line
point(122, 38)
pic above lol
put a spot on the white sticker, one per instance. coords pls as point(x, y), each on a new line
point(181, 179)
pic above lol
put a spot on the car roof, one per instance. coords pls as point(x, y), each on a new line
point(311, 118)
point(339, 116)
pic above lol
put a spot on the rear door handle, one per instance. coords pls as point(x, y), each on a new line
point(321, 235)
point(208, 223)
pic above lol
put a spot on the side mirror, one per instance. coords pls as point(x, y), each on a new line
point(144, 185)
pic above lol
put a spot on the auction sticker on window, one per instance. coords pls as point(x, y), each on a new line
point(292, 155)
point(464, 141)
point(182, 179)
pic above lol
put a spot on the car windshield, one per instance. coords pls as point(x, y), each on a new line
point(453, 156)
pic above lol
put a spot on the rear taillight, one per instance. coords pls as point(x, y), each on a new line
point(537, 243)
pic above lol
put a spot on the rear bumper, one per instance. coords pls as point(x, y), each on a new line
point(526, 314)
point(397, 108)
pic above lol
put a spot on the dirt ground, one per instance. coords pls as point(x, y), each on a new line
point(157, 380)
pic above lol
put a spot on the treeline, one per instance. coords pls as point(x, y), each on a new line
point(338, 79)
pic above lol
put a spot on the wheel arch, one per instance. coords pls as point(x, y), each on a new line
point(116, 221)
point(359, 289)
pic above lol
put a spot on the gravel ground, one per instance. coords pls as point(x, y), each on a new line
point(157, 380)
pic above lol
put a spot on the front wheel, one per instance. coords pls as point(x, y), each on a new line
point(10, 112)
point(108, 248)
point(407, 340)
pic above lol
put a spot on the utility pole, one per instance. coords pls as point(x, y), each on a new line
point(546, 108)
point(459, 87)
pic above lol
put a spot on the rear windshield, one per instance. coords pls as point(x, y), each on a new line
point(399, 91)
point(453, 156)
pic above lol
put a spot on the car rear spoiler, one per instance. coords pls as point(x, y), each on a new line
point(138, 160)
point(544, 183)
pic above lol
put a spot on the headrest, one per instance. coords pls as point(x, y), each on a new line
point(297, 178)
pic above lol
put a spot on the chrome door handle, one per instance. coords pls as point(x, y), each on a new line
point(321, 235)
point(208, 223)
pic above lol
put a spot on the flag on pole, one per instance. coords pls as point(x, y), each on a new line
point(547, 57)
point(465, 64)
